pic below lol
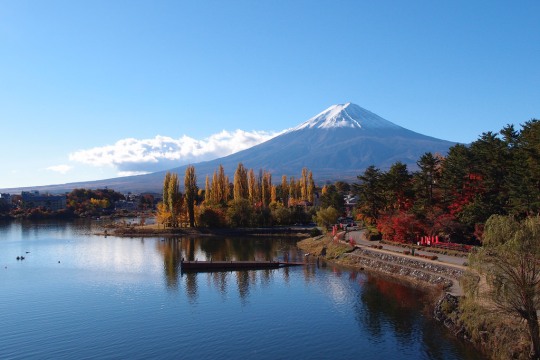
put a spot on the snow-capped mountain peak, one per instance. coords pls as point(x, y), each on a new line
point(345, 116)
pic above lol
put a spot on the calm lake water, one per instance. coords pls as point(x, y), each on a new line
point(80, 296)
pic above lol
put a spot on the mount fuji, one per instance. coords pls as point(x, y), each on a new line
point(337, 144)
point(346, 116)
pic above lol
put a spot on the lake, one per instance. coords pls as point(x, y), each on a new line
point(81, 296)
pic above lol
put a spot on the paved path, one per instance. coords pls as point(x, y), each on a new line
point(447, 260)
point(358, 237)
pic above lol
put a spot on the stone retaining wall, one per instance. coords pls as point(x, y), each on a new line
point(427, 272)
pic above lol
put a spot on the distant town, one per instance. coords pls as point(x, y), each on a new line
point(77, 203)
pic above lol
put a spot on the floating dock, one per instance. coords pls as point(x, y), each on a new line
point(206, 266)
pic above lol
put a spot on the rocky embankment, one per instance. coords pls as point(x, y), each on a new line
point(423, 271)
point(447, 312)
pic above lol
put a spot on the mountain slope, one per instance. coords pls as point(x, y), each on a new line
point(338, 143)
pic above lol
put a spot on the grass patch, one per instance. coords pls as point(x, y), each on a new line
point(499, 335)
point(324, 246)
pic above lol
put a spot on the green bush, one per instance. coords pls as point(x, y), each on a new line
point(211, 218)
point(315, 232)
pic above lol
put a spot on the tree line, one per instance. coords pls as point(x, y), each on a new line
point(453, 196)
point(79, 203)
point(249, 200)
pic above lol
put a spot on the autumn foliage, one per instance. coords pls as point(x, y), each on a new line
point(453, 196)
point(84, 202)
point(249, 200)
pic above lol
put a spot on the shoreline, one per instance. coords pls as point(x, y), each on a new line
point(419, 272)
point(153, 231)
point(438, 276)
point(466, 320)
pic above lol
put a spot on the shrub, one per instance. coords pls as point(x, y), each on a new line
point(315, 232)
point(211, 218)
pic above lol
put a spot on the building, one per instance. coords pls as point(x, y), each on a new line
point(125, 205)
point(350, 203)
point(5, 198)
point(5, 202)
point(33, 199)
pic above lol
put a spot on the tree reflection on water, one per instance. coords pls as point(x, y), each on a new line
point(172, 254)
point(385, 303)
point(225, 249)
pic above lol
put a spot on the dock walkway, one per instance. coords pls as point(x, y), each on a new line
point(202, 266)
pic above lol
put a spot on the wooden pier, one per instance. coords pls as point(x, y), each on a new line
point(206, 266)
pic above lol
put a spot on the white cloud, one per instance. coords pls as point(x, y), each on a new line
point(137, 156)
point(62, 169)
point(131, 173)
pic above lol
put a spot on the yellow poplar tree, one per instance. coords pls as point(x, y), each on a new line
point(311, 188)
point(303, 184)
point(252, 184)
point(223, 185)
point(166, 181)
point(273, 194)
point(190, 185)
point(266, 185)
point(174, 199)
point(284, 190)
point(241, 190)
point(216, 190)
point(207, 190)
point(292, 191)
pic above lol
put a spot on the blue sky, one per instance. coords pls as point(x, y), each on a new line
point(88, 87)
